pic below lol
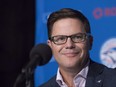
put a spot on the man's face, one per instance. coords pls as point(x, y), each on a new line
point(70, 54)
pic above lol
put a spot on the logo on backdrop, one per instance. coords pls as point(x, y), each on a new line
point(104, 12)
point(108, 53)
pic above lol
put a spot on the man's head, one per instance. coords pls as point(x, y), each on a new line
point(67, 13)
point(69, 38)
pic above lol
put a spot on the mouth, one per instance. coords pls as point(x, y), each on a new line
point(71, 54)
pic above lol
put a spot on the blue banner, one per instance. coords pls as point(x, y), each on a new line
point(102, 18)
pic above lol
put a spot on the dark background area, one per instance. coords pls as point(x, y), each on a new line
point(17, 26)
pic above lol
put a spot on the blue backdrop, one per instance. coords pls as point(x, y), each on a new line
point(102, 17)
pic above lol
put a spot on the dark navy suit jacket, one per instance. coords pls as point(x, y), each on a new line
point(98, 76)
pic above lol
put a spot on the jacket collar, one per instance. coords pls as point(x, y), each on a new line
point(95, 75)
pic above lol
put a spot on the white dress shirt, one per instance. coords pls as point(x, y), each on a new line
point(79, 80)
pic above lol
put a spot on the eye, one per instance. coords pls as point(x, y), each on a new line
point(77, 37)
point(59, 38)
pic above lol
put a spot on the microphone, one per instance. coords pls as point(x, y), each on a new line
point(39, 55)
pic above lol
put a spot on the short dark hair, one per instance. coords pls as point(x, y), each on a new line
point(67, 13)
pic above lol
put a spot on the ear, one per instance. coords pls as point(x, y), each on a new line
point(90, 42)
point(49, 42)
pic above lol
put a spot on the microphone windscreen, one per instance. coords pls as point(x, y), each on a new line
point(42, 52)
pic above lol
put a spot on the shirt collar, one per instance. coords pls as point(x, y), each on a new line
point(82, 73)
point(59, 78)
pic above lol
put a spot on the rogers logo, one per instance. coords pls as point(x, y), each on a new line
point(100, 12)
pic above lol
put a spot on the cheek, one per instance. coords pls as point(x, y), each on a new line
point(55, 50)
point(56, 54)
point(84, 48)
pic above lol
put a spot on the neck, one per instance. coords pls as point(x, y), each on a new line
point(68, 74)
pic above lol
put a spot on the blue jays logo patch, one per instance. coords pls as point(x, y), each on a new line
point(108, 53)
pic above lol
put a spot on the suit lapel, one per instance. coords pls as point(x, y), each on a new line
point(95, 75)
point(53, 82)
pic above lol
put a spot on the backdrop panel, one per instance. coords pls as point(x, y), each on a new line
point(102, 17)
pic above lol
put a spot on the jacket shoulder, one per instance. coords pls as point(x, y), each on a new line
point(50, 83)
point(99, 72)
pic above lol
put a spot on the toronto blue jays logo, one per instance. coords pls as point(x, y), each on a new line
point(108, 53)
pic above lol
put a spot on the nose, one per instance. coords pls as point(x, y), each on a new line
point(70, 44)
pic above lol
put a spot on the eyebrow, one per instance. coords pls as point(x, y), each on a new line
point(71, 34)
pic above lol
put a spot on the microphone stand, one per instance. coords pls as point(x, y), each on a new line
point(29, 78)
point(26, 78)
point(27, 74)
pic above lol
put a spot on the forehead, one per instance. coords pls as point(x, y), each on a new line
point(67, 26)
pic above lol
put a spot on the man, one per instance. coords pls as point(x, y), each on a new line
point(70, 40)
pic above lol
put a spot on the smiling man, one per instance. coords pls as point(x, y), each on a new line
point(70, 40)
